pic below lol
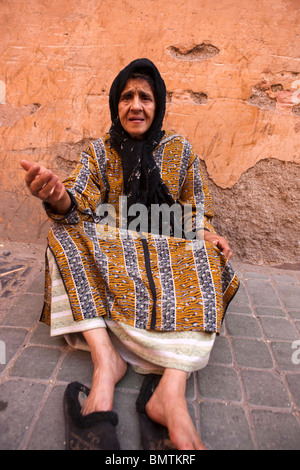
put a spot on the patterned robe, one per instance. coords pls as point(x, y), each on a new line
point(146, 280)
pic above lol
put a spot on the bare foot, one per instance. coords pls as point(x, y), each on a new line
point(168, 407)
point(109, 368)
point(101, 395)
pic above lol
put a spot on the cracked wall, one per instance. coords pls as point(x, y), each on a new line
point(232, 72)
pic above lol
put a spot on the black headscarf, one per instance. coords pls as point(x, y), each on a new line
point(142, 181)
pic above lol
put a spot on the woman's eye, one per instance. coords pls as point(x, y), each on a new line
point(125, 97)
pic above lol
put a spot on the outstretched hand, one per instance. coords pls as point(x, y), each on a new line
point(45, 185)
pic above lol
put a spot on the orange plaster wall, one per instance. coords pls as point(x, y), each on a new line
point(232, 71)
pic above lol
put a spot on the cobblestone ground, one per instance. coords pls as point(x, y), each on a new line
point(248, 397)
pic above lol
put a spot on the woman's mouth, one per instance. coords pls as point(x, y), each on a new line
point(136, 119)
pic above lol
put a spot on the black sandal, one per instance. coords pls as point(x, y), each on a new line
point(95, 431)
point(154, 436)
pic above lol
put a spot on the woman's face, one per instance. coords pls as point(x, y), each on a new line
point(136, 107)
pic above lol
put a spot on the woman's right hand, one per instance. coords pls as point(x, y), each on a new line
point(45, 185)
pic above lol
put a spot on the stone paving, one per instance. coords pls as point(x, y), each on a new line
point(248, 397)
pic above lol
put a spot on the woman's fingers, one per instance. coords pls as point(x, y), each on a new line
point(32, 171)
point(45, 185)
point(41, 182)
point(223, 246)
point(218, 241)
point(53, 191)
point(25, 164)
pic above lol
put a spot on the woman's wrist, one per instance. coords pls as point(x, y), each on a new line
point(63, 205)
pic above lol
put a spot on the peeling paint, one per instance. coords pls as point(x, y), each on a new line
point(296, 110)
point(282, 96)
point(199, 52)
point(261, 99)
point(185, 96)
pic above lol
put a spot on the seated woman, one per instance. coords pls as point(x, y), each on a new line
point(149, 294)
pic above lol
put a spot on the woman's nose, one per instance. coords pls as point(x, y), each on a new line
point(136, 103)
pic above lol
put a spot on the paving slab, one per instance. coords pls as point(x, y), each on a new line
point(265, 388)
point(262, 293)
point(252, 353)
point(246, 398)
point(225, 426)
point(20, 401)
point(50, 417)
point(276, 430)
point(219, 382)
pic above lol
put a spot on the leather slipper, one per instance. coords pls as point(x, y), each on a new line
point(154, 436)
point(95, 431)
